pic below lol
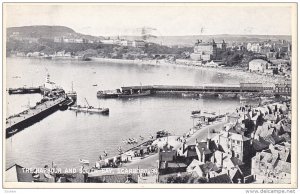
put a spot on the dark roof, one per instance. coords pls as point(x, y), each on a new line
point(167, 156)
point(21, 176)
point(273, 139)
point(245, 170)
point(286, 137)
point(260, 145)
point(213, 146)
point(286, 127)
point(224, 178)
point(191, 151)
point(114, 178)
point(202, 146)
point(208, 167)
point(236, 161)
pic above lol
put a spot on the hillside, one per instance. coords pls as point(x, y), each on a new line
point(46, 32)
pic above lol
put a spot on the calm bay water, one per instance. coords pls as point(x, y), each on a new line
point(64, 137)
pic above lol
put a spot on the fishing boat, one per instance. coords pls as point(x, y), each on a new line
point(139, 94)
point(72, 94)
point(84, 161)
point(196, 112)
point(132, 141)
point(162, 133)
point(90, 109)
point(95, 85)
point(108, 93)
point(189, 95)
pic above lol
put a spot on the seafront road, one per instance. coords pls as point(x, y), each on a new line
point(151, 161)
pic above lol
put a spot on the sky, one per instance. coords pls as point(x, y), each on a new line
point(167, 19)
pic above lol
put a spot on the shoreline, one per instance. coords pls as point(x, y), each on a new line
point(232, 72)
point(244, 75)
point(149, 162)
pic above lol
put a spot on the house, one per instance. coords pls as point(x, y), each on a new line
point(16, 173)
point(138, 44)
point(201, 169)
point(258, 65)
point(109, 41)
point(188, 152)
point(283, 89)
point(207, 51)
point(223, 178)
point(267, 167)
point(168, 162)
point(254, 47)
point(205, 149)
point(233, 117)
point(114, 178)
point(233, 144)
point(126, 43)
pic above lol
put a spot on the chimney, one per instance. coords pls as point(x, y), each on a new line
point(221, 158)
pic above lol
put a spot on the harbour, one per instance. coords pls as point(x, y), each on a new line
point(143, 102)
point(125, 112)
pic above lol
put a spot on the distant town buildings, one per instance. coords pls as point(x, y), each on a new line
point(123, 42)
point(258, 65)
point(70, 40)
point(207, 51)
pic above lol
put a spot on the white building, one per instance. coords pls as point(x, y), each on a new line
point(254, 47)
point(49, 84)
point(138, 43)
point(258, 65)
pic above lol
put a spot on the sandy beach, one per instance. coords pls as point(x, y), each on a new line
point(245, 76)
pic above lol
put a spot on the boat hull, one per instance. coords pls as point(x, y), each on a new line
point(147, 93)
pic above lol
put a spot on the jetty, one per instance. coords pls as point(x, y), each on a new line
point(25, 90)
point(191, 91)
point(18, 122)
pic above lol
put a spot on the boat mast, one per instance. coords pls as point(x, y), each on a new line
point(87, 102)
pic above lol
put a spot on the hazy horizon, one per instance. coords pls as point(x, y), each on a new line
point(166, 35)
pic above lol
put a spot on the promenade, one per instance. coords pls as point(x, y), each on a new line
point(150, 161)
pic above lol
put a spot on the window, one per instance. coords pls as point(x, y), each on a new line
point(238, 142)
point(233, 141)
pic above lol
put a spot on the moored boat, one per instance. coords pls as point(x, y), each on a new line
point(90, 109)
point(142, 93)
point(84, 161)
point(108, 94)
point(72, 94)
point(189, 94)
point(196, 112)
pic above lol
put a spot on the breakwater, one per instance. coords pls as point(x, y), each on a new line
point(18, 122)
